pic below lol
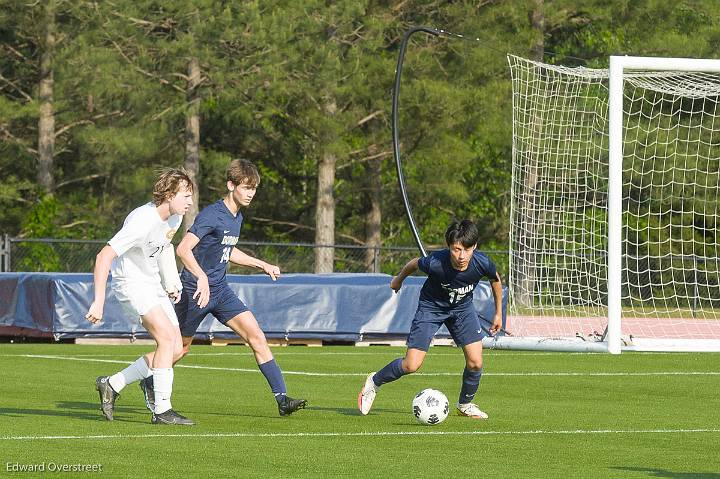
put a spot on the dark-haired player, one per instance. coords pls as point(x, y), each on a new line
point(445, 298)
point(205, 250)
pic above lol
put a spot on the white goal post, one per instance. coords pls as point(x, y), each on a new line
point(615, 216)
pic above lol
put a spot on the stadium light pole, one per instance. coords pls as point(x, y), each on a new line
point(396, 134)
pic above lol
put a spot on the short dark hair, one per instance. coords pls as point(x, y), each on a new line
point(464, 232)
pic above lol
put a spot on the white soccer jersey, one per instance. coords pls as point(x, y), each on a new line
point(139, 243)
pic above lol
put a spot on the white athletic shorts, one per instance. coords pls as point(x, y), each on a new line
point(139, 298)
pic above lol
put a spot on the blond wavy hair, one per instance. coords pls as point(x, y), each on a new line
point(168, 184)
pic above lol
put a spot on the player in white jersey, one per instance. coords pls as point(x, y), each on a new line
point(144, 280)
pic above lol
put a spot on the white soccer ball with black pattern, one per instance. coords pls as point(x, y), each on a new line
point(430, 407)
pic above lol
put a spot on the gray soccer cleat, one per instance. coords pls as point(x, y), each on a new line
point(147, 386)
point(171, 417)
point(107, 396)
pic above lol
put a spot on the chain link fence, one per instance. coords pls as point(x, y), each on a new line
point(78, 256)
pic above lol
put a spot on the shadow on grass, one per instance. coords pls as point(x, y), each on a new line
point(671, 474)
point(237, 412)
point(79, 410)
point(350, 411)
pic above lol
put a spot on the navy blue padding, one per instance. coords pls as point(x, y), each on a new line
point(335, 306)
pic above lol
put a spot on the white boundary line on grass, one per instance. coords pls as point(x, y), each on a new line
point(367, 434)
point(374, 353)
point(389, 351)
point(304, 373)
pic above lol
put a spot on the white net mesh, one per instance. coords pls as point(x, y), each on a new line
point(559, 212)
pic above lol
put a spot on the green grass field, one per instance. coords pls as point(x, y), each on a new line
point(551, 415)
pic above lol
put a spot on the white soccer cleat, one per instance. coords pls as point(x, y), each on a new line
point(470, 410)
point(367, 395)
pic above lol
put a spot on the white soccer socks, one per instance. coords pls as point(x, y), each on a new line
point(135, 372)
point(163, 381)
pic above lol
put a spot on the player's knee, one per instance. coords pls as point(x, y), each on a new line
point(257, 341)
point(474, 364)
point(165, 337)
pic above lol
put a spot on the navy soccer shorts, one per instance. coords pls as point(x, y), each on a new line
point(224, 305)
point(463, 325)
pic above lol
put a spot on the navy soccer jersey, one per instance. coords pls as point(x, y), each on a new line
point(218, 231)
point(447, 287)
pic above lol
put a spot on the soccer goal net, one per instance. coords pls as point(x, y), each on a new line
point(615, 213)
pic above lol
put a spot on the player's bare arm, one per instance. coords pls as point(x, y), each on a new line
point(169, 276)
point(496, 285)
point(408, 269)
point(243, 259)
point(103, 260)
point(184, 252)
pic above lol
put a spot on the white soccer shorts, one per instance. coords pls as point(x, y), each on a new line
point(137, 299)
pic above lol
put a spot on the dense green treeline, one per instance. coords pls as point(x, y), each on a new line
point(95, 96)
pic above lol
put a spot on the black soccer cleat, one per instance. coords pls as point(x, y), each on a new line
point(147, 386)
point(288, 405)
point(107, 396)
point(171, 417)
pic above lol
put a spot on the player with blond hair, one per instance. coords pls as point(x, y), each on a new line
point(144, 280)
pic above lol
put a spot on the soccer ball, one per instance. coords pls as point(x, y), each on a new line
point(430, 407)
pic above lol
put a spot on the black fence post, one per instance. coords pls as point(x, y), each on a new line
point(5, 254)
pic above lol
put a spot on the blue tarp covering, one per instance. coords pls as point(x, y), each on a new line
point(334, 306)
